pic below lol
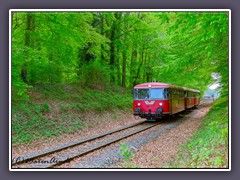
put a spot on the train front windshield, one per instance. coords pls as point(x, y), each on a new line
point(153, 93)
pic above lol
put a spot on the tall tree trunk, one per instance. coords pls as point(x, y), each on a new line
point(112, 62)
point(145, 66)
point(133, 67)
point(124, 53)
point(139, 67)
point(112, 54)
point(29, 27)
point(149, 73)
point(124, 62)
point(118, 68)
point(103, 34)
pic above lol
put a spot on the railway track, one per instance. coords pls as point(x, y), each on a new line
point(64, 153)
point(53, 157)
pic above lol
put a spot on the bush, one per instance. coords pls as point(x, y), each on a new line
point(127, 155)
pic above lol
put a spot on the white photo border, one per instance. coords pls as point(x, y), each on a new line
point(115, 10)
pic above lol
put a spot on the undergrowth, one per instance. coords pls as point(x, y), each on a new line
point(208, 148)
point(127, 154)
point(55, 109)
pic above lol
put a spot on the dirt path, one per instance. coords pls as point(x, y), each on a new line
point(161, 150)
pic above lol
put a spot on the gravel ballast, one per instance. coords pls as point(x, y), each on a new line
point(153, 148)
point(159, 152)
point(98, 124)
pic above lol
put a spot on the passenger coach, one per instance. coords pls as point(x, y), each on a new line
point(154, 100)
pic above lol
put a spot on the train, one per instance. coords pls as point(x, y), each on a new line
point(155, 100)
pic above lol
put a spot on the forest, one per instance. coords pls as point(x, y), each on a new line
point(68, 69)
point(101, 49)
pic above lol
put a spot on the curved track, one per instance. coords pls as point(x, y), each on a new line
point(64, 153)
point(34, 158)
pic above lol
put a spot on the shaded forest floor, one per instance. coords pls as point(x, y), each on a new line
point(53, 110)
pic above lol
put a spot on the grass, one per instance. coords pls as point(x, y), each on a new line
point(55, 109)
point(208, 148)
point(127, 154)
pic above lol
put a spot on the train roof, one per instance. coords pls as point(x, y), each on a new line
point(193, 90)
point(162, 85)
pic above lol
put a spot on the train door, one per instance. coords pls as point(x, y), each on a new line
point(178, 100)
point(194, 99)
point(166, 95)
point(182, 100)
point(185, 99)
point(174, 101)
point(170, 100)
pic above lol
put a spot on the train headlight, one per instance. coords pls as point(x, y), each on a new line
point(139, 104)
point(137, 110)
point(160, 104)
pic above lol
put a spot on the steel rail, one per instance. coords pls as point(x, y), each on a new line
point(38, 154)
point(63, 158)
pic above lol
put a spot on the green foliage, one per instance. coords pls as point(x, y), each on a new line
point(197, 46)
point(45, 108)
point(30, 121)
point(94, 73)
point(208, 148)
point(127, 155)
point(102, 50)
point(61, 110)
point(121, 48)
point(126, 151)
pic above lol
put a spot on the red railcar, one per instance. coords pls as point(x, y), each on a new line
point(192, 98)
point(154, 100)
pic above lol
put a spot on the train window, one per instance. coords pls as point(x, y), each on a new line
point(182, 94)
point(141, 94)
point(166, 93)
point(156, 93)
point(170, 93)
point(173, 93)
